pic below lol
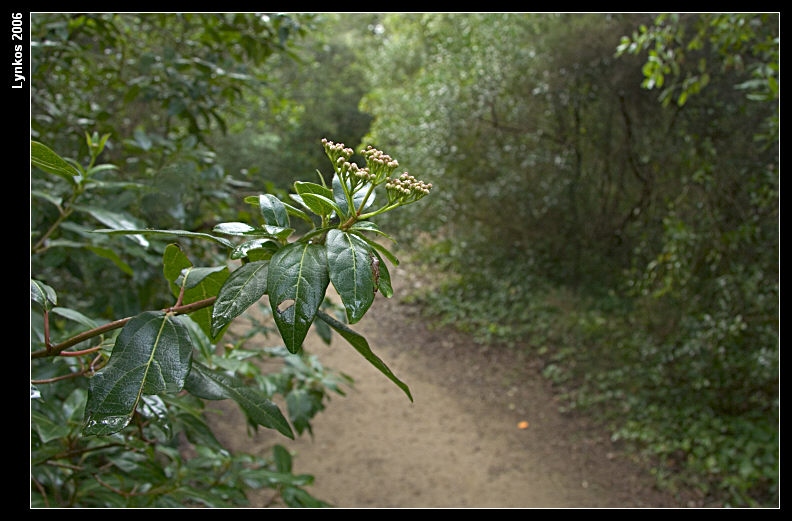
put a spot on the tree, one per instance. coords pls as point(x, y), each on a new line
point(654, 224)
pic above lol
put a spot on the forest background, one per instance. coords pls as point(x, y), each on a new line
point(606, 189)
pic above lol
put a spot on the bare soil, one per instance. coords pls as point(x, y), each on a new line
point(484, 430)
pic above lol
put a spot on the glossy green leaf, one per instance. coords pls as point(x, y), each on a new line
point(174, 261)
point(44, 158)
point(377, 246)
point(213, 385)
point(75, 316)
point(349, 267)
point(154, 411)
point(303, 187)
point(152, 354)
point(357, 197)
point(236, 228)
point(291, 210)
point(43, 294)
point(192, 277)
point(243, 288)
point(319, 204)
point(263, 248)
point(168, 233)
point(278, 232)
point(116, 221)
point(361, 345)
point(273, 211)
point(297, 281)
point(317, 198)
point(201, 284)
point(307, 237)
point(368, 226)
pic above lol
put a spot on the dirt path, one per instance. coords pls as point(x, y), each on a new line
point(458, 445)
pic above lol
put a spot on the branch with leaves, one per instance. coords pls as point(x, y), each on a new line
point(154, 352)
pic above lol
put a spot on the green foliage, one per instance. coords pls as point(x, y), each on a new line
point(315, 90)
point(632, 244)
point(150, 91)
point(114, 441)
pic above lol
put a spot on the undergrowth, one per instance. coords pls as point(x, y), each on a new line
point(667, 398)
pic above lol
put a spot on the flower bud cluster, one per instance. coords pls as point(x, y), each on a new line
point(406, 189)
point(337, 151)
point(380, 165)
point(351, 173)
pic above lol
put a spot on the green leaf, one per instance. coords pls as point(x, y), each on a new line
point(349, 267)
point(42, 294)
point(177, 233)
point(201, 284)
point(236, 228)
point(303, 405)
point(47, 428)
point(112, 256)
point(298, 279)
point(361, 345)
point(278, 231)
point(340, 197)
point(243, 288)
point(174, 261)
point(319, 204)
point(197, 431)
point(295, 497)
point(283, 460)
point(303, 187)
point(75, 316)
point(152, 354)
point(56, 201)
point(291, 210)
point(115, 220)
point(377, 246)
point(213, 385)
point(265, 246)
point(316, 197)
point(44, 158)
point(100, 251)
point(192, 277)
point(368, 226)
point(100, 168)
point(273, 211)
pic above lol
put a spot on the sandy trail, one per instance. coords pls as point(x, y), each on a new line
point(458, 445)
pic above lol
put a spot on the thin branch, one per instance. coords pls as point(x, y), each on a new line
point(80, 353)
point(77, 452)
point(59, 378)
point(117, 491)
point(56, 349)
point(89, 369)
point(41, 491)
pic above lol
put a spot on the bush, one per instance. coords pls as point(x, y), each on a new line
point(118, 414)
